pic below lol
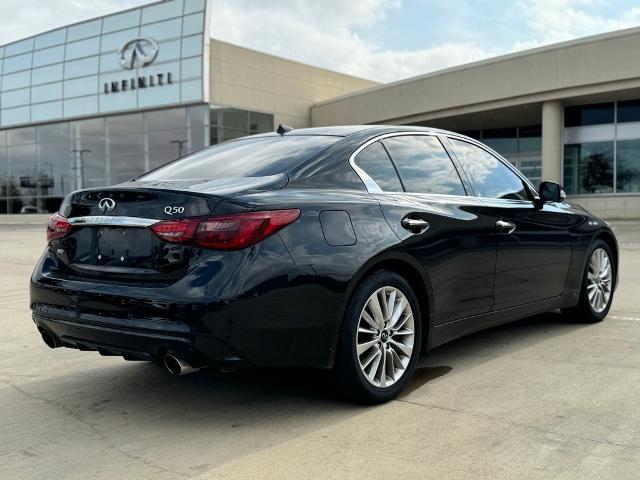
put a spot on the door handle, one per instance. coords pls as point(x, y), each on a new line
point(414, 225)
point(506, 227)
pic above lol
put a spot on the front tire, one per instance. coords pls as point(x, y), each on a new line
point(598, 283)
point(381, 339)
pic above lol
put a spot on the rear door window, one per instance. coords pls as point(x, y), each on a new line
point(424, 165)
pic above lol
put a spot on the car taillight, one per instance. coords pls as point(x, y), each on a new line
point(226, 232)
point(57, 227)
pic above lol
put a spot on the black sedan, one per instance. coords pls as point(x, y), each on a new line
point(347, 248)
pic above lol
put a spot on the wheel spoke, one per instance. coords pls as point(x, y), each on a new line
point(363, 347)
point(389, 304)
point(404, 348)
point(374, 304)
point(369, 359)
point(367, 318)
point(399, 309)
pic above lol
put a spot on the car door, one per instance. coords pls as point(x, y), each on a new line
point(533, 243)
point(424, 201)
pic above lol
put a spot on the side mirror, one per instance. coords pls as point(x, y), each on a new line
point(551, 192)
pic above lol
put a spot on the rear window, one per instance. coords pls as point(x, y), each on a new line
point(250, 157)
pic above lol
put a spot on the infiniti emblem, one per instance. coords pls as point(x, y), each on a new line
point(106, 204)
point(138, 52)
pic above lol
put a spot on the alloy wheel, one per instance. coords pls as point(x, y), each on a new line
point(599, 280)
point(386, 335)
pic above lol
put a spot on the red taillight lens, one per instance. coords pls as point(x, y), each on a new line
point(57, 227)
point(226, 232)
point(176, 231)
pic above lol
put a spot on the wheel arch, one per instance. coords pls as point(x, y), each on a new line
point(412, 271)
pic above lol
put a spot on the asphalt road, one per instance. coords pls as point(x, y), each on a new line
point(540, 398)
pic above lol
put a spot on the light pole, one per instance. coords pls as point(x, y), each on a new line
point(180, 143)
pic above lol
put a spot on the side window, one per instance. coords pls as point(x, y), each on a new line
point(377, 164)
point(489, 176)
point(424, 165)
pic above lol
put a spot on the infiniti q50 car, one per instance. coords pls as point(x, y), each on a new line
point(349, 248)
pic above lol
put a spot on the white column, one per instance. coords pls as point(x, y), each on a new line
point(552, 135)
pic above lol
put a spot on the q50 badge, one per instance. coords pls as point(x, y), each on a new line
point(169, 210)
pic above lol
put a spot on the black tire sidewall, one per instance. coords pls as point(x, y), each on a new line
point(354, 384)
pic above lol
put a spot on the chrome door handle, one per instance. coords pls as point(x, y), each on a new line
point(414, 225)
point(506, 227)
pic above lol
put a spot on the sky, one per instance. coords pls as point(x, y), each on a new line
point(383, 40)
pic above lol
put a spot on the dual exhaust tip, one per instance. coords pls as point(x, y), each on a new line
point(174, 363)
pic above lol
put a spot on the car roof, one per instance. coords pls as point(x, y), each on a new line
point(347, 130)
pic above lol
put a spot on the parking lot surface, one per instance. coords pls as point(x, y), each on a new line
point(540, 398)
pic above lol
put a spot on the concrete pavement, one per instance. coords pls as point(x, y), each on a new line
point(541, 398)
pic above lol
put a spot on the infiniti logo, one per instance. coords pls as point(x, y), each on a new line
point(106, 204)
point(138, 52)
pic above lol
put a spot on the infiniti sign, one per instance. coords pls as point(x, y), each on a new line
point(107, 204)
point(138, 52)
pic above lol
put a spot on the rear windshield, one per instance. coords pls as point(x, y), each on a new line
point(250, 157)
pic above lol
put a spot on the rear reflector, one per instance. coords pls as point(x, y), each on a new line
point(57, 227)
point(225, 232)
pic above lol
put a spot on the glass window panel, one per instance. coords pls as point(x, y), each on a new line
point(19, 62)
point(169, 50)
point(629, 111)
point(176, 140)
point(52, 73)
point(530, 138)
point(161, 157)
point(588, 168)
point(54, 160)
point(424, 165)
point(57, 37)
point(81, 86)
point(3, 142)
point(16, 80)
point(82, 48)
point(54, 132)
point(15, 98)
point(125, 167)
point(84, 30)
point(170, 119)
point(93, 127)
point(162, 11)
point(260, 122)
point(215, 136)
point(11, 116)
point(251, 157)
point(16, 48)
point(628, 166)
point(125, 124)
point(121, 21)
point(588, 114)
point(21, 136)
point(231, 133)
point(192, 24)
point(471, 133)
point(162, 30)
point(191, 6)
point(118, 101)
point(191, 68)
point(192, 46)
point(198, 139)
point(490, 177)
point(502, 140)
point(113, 41)
point(48, 56)
point(109, 63)
point(81, 68)
point(81, 106)
point(126, 144)
point(46, 111)
point(237, 119)
point(46, 93)
point(377, 164)
point(198, 116)
point(191, 90)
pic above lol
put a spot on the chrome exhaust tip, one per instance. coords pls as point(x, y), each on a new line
point(176, 365)
point(49, 339)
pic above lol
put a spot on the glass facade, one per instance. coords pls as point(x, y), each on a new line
point(230, 123)
point(77, 71)
point(602, 148)
point(522, 146)
point(40, 164)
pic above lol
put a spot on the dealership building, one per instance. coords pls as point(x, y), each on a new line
point(101, 101)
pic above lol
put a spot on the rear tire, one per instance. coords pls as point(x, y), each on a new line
point(381, 339)
point(598, 283)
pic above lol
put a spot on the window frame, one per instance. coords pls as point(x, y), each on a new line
point(526, 183)
point(372, 186)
